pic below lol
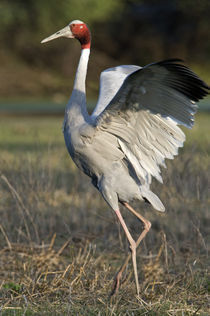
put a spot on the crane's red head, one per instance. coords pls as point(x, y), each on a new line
point(81, 32)
point(76, 29)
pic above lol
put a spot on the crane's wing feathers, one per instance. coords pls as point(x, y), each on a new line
point(144, 113)
point(111, 80)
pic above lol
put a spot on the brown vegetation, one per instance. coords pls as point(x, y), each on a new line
point(61, 245)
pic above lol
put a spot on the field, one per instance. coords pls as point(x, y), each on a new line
point(60, 244)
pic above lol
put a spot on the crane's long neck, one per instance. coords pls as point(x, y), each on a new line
point(76, 110)
point(80, 78)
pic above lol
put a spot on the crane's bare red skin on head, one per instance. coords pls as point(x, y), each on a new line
point(82, 33)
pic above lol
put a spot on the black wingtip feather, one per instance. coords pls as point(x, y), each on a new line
point(170, 60)
point(184, 80)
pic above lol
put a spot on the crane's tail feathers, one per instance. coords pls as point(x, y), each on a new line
point(153, 199)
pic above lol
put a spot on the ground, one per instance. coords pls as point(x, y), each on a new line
point(60, 244)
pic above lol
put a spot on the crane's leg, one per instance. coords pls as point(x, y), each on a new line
point(147, 226)
point(132, 247)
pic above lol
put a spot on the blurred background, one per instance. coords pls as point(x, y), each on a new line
point(123, 32)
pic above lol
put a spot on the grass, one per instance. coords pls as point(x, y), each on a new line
point(60, 245)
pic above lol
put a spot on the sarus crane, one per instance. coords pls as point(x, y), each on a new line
point(132, 130)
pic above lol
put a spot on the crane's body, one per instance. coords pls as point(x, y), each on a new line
point(97, 154)
point(132, 130)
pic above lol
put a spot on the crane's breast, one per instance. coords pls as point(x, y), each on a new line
point(93, 152)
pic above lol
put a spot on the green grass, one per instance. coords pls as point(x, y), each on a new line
point(55, 106)
point(60, 245)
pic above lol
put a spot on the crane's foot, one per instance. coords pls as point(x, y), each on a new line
point(116, 283)
point(118, 276)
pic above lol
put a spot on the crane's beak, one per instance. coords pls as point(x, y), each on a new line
point(65, 32)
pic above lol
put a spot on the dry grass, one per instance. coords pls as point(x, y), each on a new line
point(60, 246)
point(46, 279)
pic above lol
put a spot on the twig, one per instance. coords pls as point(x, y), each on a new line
point(165, 249)
point(5, 236)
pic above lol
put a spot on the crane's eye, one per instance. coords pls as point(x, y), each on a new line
point(73, 25)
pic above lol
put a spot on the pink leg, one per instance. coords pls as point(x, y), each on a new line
point(147, 226)
point(132, 247)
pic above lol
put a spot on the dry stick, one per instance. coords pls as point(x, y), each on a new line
point(52, 241)
point(22, 207)
point(200, 236)
point(5, 236)
point(62, 248)
point(165, 249)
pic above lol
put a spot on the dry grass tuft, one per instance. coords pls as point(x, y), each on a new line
point(44, 273)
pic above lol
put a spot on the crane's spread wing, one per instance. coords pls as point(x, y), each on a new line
point(111, 80)
point(144, 113)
